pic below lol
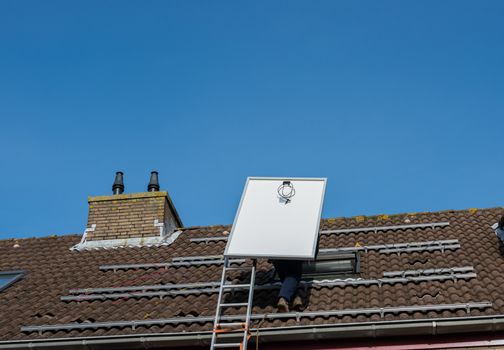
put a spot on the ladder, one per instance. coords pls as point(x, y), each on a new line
point(240, 329)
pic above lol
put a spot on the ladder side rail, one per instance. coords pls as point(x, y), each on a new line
point(217, 311)
point(249, 306)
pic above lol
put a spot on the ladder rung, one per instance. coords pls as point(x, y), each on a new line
point(235, 285)
point(237, 325)
point(227, 345)
point(233, 304)
point(231, 324)
point(238, 268)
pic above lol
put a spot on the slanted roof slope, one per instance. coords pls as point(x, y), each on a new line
point(53, 272)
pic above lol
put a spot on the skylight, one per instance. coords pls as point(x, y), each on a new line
point(329, 264)
point(9, 277)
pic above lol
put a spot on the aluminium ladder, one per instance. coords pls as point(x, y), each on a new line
point(220, 327)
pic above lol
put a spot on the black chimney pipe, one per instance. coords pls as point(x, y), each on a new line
point(118, 186)
point(153, 182)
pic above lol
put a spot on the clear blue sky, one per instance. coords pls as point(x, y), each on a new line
point(398, 103)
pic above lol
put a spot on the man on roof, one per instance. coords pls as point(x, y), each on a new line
point(289, 272)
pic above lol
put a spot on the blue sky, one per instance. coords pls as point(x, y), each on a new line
point(398, 103)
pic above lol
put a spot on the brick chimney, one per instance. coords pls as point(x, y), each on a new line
point(137, 219)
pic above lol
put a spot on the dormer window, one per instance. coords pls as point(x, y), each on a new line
point(9, 277)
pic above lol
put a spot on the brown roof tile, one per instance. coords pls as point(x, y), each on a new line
point(52, 270)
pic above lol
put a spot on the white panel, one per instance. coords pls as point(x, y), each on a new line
point(265, 226)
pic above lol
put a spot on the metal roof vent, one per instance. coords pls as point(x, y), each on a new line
point(154, 182)
point(118, 186)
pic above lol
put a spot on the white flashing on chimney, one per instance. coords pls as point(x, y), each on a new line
point(161, 227)
point(84, 235)
point(127, 243)
point(162, 240)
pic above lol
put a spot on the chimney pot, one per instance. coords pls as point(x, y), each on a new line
point(118, 186)
point(153, 182)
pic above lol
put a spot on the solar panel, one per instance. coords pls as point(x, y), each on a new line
point(277, 218)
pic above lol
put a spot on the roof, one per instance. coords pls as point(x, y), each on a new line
point(469, 253)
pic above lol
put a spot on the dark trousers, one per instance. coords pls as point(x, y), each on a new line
point(289, 272)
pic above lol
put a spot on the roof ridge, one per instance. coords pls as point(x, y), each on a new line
point(385, 216)
point(358, 218)
point(63, 235)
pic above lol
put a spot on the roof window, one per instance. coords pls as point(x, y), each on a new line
point(9, 277)
point(329, 264)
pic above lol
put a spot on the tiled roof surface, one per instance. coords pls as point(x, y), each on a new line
point(52, 270)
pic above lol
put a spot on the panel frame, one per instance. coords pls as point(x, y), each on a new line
point(284, 257)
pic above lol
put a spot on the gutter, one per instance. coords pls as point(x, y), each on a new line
point(438, 326)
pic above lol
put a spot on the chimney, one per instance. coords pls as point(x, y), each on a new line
point(135, 219)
